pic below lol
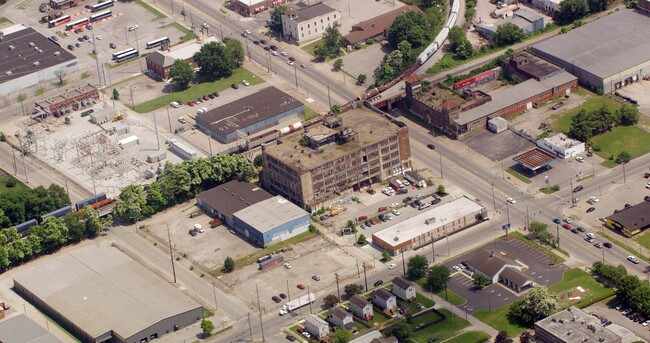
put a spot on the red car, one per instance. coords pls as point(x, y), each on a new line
point(276, 299)
point(300, 286)
point(566, 226)
point(205, 97)
point(190, 104)
point(362, 218)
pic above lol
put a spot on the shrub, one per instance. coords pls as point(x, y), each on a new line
point(369, 41)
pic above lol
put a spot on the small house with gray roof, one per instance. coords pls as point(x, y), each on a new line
point(403, 288)
point(339, 317)
point(384, 299)
point(361, 308)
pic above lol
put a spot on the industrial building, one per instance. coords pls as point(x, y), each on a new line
point(99, 294)
point(573, 325)
point(224, 200)
point(249, 114)
point(72, 99)
point(21, 329)
point(377, 26)
point(605, 54)
point(305, 23)
point(562, 146)
point(325, 160)
point(527, 21)
point(28, 58)
point(458, 115)
point(271, 221)
point(436, 223)
point(632, 220)
point(251, 8)
point(159, 62)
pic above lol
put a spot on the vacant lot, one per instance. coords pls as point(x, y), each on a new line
point(623, 138)
point(442, 330)
point(591, 292)
point(563, 118)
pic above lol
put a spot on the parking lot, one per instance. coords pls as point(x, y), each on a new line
point(639, 91)
point(617, 318)
point(497, 295)
point(498, 146)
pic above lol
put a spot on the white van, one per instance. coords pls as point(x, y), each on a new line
point(399, 183)
point(199, 228)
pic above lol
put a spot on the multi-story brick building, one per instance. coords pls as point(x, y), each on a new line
point(318, 165)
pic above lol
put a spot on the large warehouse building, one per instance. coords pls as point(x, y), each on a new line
point(329, 159)
point(249, 114)
point(224, 200)
point(101, 295)
point(436, 223)
point(28, 58)
point(272, 220)
point(605, 54)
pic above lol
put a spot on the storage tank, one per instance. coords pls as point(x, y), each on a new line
point(291, 128)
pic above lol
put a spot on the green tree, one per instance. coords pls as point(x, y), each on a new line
point(362, 239)
point(596, 6)
point(456, 35)
point(628, 115)
point(570, 11)
point(503, 337)
point(537, 304)
point(236, 50)
point(116, 94)
point(441, 189)
point(228, 264)
point(464, 50)
point(353, 289)
point(52, 232)
point(401, 330)
point(336, 109)
point(214, 60)
point(338, 64)
point(181, 73)
point(276, 18)
point(341, 335)
point(412, 27)
point(581, 126)
point(404, 47)
point(507, 34)
point(437, 278)
point(331, 43)
point(93, 225)
point(480, 281)
point(385, 256)
point(623, 157)
point(331, 300)
point(625, 288)
point(537, 227)
point(207, 327)
point(525, 337)
point(258, 161)
point(361, 79)
point(416, 267)
point(130, 205)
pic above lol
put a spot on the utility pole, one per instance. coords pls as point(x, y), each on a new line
point(447, 238)
point(309, 299)
point(99, 76)
point(494, 200)
point(503, 175)
point(22, 152)
point(624, 181)
point(110, 82)
point(557, 227)
point(288, 293)
point(13, 151)
point(338, 290)
point(259, 309)
point(527, 218)
point(365, 277)
point(171, 253)
point(403, 263)
point(433, 249)
point(210, 142)
point(214, 292)
point(169, 120)
point(295, 72)
point(508, 215)
point(137, 47)
point(358, 271)
point(250, 327)
point(571, 190)
point(329, 99)
point(155, 125)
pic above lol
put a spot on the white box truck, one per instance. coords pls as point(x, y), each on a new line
point(297, 303)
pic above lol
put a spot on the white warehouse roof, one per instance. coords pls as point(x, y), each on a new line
point(270, 213)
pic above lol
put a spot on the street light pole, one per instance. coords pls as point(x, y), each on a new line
point(338, 290)
point(624, 181)
point(433, 249)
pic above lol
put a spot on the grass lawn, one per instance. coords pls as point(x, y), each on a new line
point(629, 138)
point(427, 318)
point(555, 259)
point(378, 318)
point(641, 240)
point(310, 113)
point(563, 122)
point(252, 258)
point(207, 313)
point(151, 9)
point(419, 299)
point(567, 288)
point(188, 34)
point(518, 176)
point(198, 90)
point(442, 330)
point(453, 298)
point(312, 46)
point(500, 320)
point(548, 190)
point(6, 178)
point(470, 337)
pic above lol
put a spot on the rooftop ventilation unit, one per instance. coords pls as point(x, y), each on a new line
point(57, 53)
point(11, 47)
point(36, 63)
point(31, 44)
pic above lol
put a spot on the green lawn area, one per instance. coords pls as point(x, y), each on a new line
point(378, 318)
point(642, 240)
point(188, 34)
point(548, 190)
point(518, 176)
point(555, 259)
point(312, 46)
point(207, 313)
point(442, 330)
point(4, 179)
point(567, 288)
point(563, 122)
point(151, 9)
point(453, 298)
point(198, 90)
point(310, 113)
point(419, 299)
point(427, 318)
point(500, 320)
point(470, 337)
point(629, 138)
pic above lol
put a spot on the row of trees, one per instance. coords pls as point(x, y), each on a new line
point(460, 46)
point(572, 10)
point(179, 183)
point(630, 290)
point(22, 204)
point(585, 125)
point(49, 236)
point(394, 63)
point(541, 233)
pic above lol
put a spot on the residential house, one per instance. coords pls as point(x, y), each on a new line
point(339, 317)
point(361, 308)
point(384, 299)
point(316, 326)
point(403, 289)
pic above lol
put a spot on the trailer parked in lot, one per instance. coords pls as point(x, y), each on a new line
point(297, 303)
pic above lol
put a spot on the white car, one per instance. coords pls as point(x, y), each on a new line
point(283, 53)
point(392, 265)
point(406, 183)
point(245, 83)
point(388, 191)
point(248, 32)
point(199, 228)
point(456, 268)
point(395, 212)
point(274, 53)
point(646, 323)
point(306, 334)
point(647, 185)
point(133, 27)
point(99, 37)
point(511, 201)
point(393, 205)
point(182, 120)
point(591, 235)
point(633, 259)
point(290, 63)
point(205, 25)
point(174, 104)
point(580, 159)
point(287, 265)
point(567, 220)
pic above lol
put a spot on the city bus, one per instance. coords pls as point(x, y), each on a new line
point(77, 24)
point(127, 56)
point(122, 52)
point(59, 21)
point(100, 16)
point(101, 6)
point(157, 42)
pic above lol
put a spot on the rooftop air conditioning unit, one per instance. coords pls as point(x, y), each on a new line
point(31, 44)
point(8, 73)
point(11, 47)
point(57, 53)
point(36, 63)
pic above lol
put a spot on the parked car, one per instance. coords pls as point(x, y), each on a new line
point(262, 41)
point(245, 83)
point(574, 230)
point(303, 66)
point(511, 201)
point(276, 298)
point(112, 46)
point(235, 86)
point(567, 220)
point(579, 228)
point(174, 104)
point(216, 94)
point(378, 283)
point(566, 226)
point(315, 277)
point(300, 286)
point(287, 265)
point(193, 232)
point(283, 296)
point(580, 159)
point(395, 212)
point(578, 189)
point(182, 120)
point(290, 63)
point(273, 47)
point(431, 146)
point(557, 221)
point(607, 245)
point(70, 47)
point(456, 268)
point(407, 199)
point(392, 265)
point(190, 104)
point(205, 97)
point(591, 209)
point(54, 38)
point(256, 42)
point(557, 106)
point(290, 338)
point(266, 48)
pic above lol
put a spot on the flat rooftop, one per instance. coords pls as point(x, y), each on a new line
point(249, 110)
point(562, 140)
point(309, 12)
point(23, 51)
point(270, 213)
point(636, 217)
point(67, 94)
point(534, 159)
point(187, 50)
point(582, 327)
point(538, 67)
point(99, 289)
point(514, 95)
point(233, 196)
point(416, 226)
point(250, 3)
point(603, 47)
point(21, 329)
point(370, 127)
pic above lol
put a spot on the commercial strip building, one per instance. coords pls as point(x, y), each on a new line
point(28, 58)
point(159, 62)
point(271, 221)
point(573, 325)
point(349, 151)
point(303, 24)
point(377, 26)
point(71, 99)
point(253, 7)
point(224, 200)
point(21, 329)
point(436, 223)
point(605, 54)
point(562, 146)
point(249, 114)
point(632, 220)
point(527, 21)
point(99, 294)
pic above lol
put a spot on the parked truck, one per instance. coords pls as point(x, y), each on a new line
point(297, 303)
